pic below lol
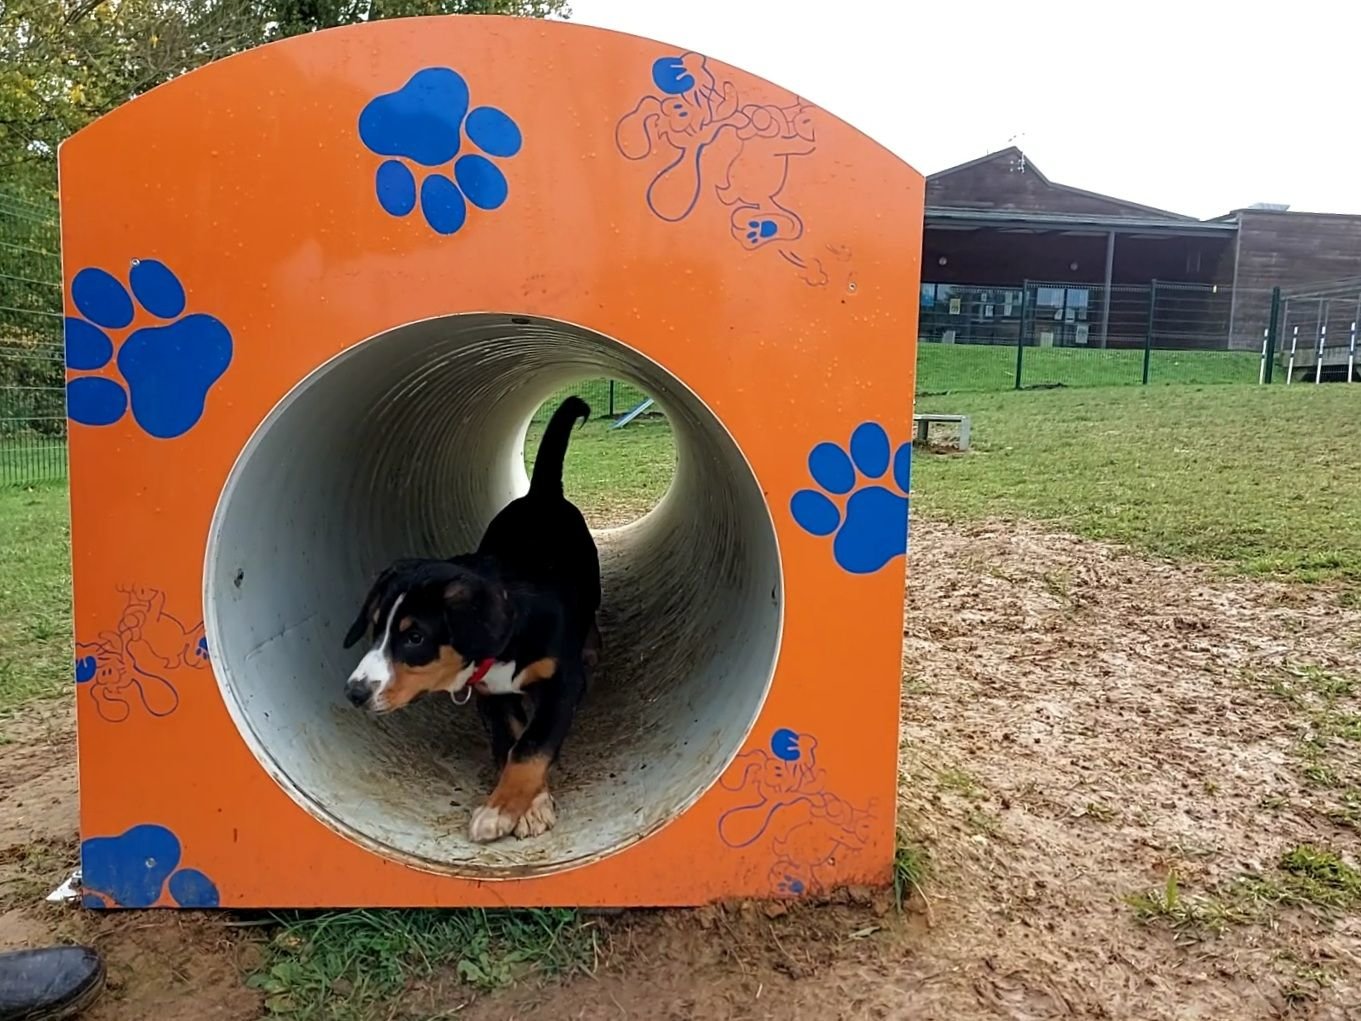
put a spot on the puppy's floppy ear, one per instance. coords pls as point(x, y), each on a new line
point(360, 627)
point(368, 613)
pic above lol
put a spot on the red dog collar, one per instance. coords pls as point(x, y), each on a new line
point(483, 668)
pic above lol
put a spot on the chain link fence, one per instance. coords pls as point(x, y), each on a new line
point(1050, 334)
point(32, 405)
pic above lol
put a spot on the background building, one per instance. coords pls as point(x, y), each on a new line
point(1011, 257)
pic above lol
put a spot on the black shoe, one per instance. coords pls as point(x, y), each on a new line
point(49, 983)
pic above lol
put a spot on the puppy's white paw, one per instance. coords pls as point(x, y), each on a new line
point(541, 817)
point(489, 823)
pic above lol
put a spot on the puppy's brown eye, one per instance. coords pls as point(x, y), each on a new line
point(413, 637)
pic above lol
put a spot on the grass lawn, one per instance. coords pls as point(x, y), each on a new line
point(35, 594)
point(1265, 479)
point(615, 475)
point(957, 368)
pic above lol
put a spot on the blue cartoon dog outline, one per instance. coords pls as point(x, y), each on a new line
point(873, 528)
point(785, 799)
point(168, 369)
point(819, 831)
point(772, 781)
point(140, 658)
point(710, 139)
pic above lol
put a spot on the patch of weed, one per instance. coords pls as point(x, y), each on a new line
point(1167, 904)
point(1306, 876)
point(337, 964)
point(984, 822)
point(1320, 775)
point(1347, 811)
point(910, 864)
point(1099, 811)
point(915, 685)
point(1325, 706)
point(1316, 875)
point(960, 782)
point(1059, 584)
point(1303, 981)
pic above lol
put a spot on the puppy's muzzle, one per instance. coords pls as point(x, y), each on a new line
point(359, 691)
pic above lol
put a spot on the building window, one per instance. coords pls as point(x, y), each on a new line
point(1062, 304)
point(1049, 300)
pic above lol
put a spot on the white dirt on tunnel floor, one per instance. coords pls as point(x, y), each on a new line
point(1078, 722)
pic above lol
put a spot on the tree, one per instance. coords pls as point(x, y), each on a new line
point(293, 17)
point(65, 62)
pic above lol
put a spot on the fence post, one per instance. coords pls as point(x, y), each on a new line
point(611, 398)
point(1148, 333)
point(1351, 349)
point(1272, 328)
point(1020, 335)
point(1318, 354)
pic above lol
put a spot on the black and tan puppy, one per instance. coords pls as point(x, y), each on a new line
point(513, 623)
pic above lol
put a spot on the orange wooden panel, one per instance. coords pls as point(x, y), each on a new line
point(227, 233)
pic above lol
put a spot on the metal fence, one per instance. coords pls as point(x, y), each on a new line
point(608, 398)
point(971, 338)
point(32, 364)
point(1318, 339)
point(32, 406)
point(1046, 334)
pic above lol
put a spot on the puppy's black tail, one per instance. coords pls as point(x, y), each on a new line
point(547, 477)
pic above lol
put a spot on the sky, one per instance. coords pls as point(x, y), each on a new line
point(1197, 106)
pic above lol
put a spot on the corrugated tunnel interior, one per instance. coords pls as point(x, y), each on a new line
point(407, 444)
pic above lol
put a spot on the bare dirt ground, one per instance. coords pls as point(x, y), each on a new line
point(1078, 723)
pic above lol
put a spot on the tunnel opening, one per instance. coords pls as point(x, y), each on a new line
point(406, 445)
point(624, 456)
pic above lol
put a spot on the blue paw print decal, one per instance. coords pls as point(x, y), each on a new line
point(423, 124)
point(872, 528)
point(167, 368)
point(760, 230)
point(131, 871)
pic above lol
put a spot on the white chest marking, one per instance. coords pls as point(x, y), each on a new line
point(501, 679)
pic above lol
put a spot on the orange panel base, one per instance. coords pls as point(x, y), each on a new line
point(542, 200)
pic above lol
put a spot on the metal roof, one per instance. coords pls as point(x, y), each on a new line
point(1017, 219)
point(1012, 153)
